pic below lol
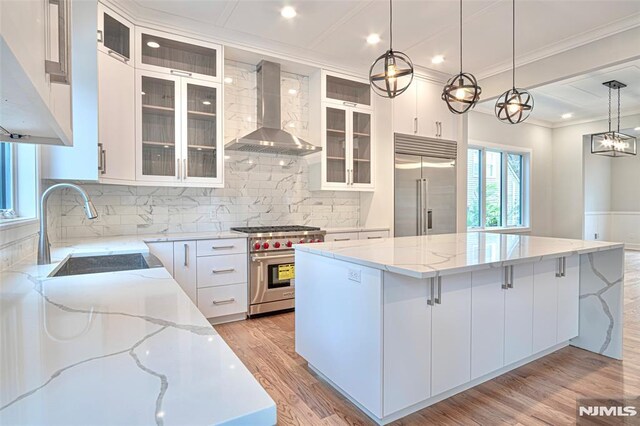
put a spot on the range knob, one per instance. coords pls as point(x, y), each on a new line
point(310, 240)
point(276, 244)
point(257, 246)
point(318, 241)
point(265, 246)
point(289, 244)
point(302, 241)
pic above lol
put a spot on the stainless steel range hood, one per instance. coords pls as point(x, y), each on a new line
point(270, 138)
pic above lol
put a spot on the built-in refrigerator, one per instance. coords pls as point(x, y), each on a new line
point(425, 186)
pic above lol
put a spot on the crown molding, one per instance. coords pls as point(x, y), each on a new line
point(530, 120)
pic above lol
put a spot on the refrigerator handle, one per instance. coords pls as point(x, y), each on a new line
point(420, 219)
point(425, 192)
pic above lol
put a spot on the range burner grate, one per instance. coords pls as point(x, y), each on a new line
point(273, 229)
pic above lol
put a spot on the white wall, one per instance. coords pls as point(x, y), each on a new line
point(486, 128)
point(568, 201)
point(597, 180)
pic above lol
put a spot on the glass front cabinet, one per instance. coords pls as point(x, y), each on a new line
point(179, 134)
point(346, 128)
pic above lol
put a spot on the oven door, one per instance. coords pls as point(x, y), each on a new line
point(272, 277)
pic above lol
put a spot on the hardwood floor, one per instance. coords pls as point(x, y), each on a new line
point(542, 392)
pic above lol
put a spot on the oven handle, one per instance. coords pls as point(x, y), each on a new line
point(281, 256)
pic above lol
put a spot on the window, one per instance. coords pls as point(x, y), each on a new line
point(496, 188)
point(6, 177)
point(18, 182)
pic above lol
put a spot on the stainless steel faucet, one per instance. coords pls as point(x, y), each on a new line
point(44, 252)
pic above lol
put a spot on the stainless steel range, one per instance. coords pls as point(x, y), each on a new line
point(271, 264)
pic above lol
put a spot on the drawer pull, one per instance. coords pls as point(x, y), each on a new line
point(222, 247)
point(373, 238)
point(342, 239)
point(220, 271)
point(222, 302)
point(178, 72)
point(289, 293)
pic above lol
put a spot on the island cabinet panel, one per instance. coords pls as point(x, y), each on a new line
point(545, 304)
point(184, 267)
point(407, 341)
point(518, 315)
point(569, 299)
point(339, 325)
point(487, 321)
point(451, 333)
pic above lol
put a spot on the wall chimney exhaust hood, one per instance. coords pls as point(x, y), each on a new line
point(270, 138)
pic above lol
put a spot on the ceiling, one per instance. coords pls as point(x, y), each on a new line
point(584, 97)
point(336, 30)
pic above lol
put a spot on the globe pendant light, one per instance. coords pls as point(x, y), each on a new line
point(392, 72)
point(514, 105)
point(613, 143)
point(461, 93)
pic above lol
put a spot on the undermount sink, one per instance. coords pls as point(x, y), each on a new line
point(79, 265)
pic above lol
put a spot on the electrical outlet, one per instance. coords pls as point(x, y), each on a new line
point(354, 275)
point(212, 214)
point(596, 236)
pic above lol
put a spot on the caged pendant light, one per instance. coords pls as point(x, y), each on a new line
point(514, 105)
point(613, 143)
point(461, 93)
point(392, 72)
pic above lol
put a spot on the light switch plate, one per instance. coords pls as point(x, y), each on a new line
point(354, 275)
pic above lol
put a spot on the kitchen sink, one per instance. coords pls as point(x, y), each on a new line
point(79, 265)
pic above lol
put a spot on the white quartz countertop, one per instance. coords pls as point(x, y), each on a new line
point(116, 348)
point(433, 255)
point(355, 229)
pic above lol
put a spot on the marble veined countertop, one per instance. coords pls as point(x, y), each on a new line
point(432, 255)
point(116, 348)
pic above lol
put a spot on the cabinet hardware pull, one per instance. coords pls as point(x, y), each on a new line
point(561, 266)
point(431, 301)
point(59, 71)
point(415, 125)
point(353, 104)
point(439, 129)
point(373, 238)
point(439, 298)
point(289, 293)
point(342, 239)
point(186, 255)
point(510, 276)
point(103, 155)
point(118, 55)
point(220, 271)
point(100, 40)
point(505, 278)
point(184, 169)
point(222, 247)
point(100, 158)
point(178, 72)
point(221, 302)
point(178, 169)
point(564, 266)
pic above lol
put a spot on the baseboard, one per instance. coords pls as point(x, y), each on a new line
point(227, 318)
point(433, 400)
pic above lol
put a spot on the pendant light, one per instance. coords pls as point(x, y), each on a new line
point(392, 73)
point(461, 93)
point(613, 143)
point(514, 105)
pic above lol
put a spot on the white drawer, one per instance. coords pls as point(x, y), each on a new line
point(223, 300)
point(372, 235)
point(341, 236)
point(221, 270)
point(218, 247)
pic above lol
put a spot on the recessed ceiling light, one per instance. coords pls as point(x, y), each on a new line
point(206, 102)
point(153, 44)
point(143, 93)
point(288, 12)
point(292, 91)
point(567, 115)
point(166, 146)
point(438, 59)
point(373, 39)
point(228, 80)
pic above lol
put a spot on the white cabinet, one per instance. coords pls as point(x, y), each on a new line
point(222, 270)
point(115, 35)
point(568, 298)
point(178, 130)
point(356, 235)
point(545, 305)
point(372, 235)
point(216, 302)
point(116, 118)
point(342, 117)
point(185, 267)
point(164, 252)
point(518, 315)
point(420, 111)
point(451, 333)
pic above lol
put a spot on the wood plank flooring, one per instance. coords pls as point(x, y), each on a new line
point(542, 392)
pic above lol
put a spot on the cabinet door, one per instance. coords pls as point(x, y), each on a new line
point(341, 236)
point(451, 334)
point(115, 35)
point(335, 151)
point(434, 118)
point(487, 321)
point(568, 299)
point(177, 55)
point(518, 315)
point(158, 127)
point(116, 118)
point(201, 132)
point(346, 91)
point(361, 148)
point(185, 267)
point(545, 305)
point(404, 111)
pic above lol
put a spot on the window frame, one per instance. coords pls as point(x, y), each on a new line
point(525, 186)
point(25, 185)
point(13, 183)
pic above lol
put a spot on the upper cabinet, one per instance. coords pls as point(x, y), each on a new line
point(177, 55)
point(420, 111)
point(35, 65)
point(342, 115)
point(115, 35)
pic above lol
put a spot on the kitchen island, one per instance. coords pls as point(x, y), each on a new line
point(399, 324)
point(124, 347)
